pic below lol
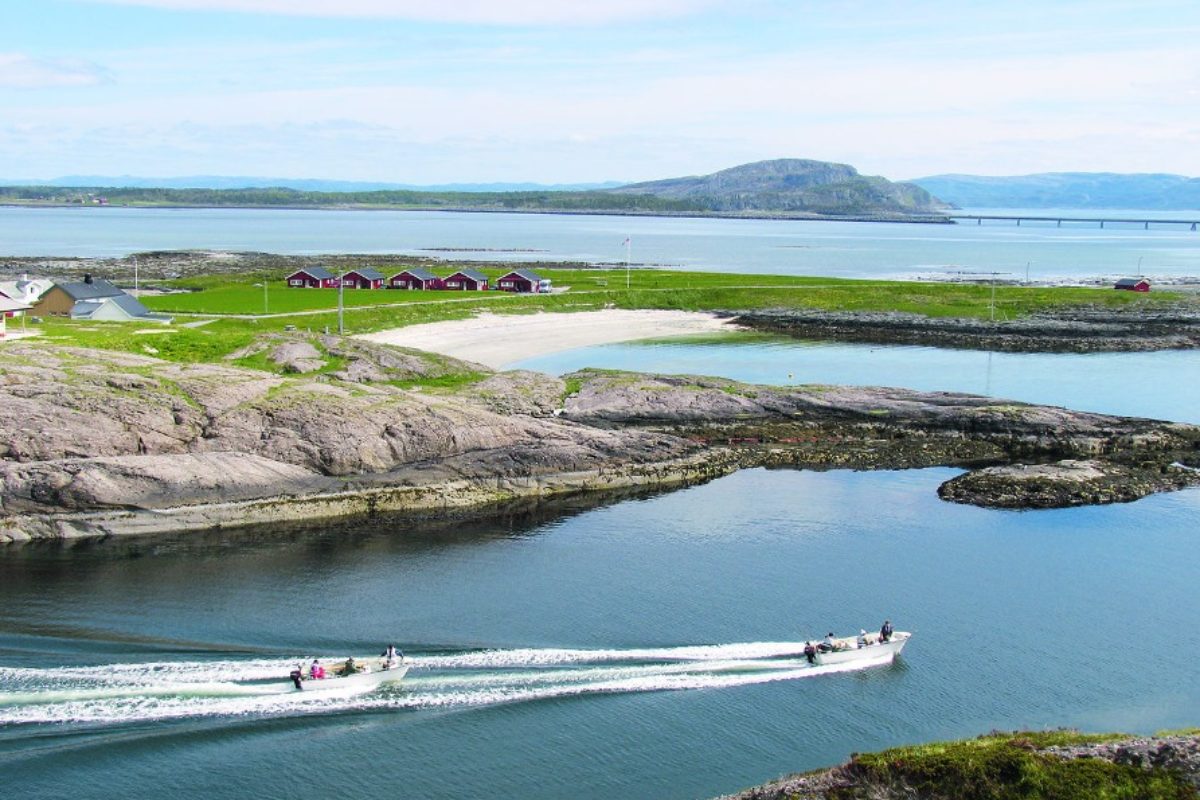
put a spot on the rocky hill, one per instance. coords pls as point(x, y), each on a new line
point(792, 185)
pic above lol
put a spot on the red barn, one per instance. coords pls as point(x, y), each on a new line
point(1133, 284)
point(415, 278)
point(313, 278)
point(364, 278)
point(523, 280)
point(467, 280)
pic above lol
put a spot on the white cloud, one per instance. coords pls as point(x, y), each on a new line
point(486, 12)
point(20, 71)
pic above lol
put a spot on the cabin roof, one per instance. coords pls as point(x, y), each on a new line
point(368, 273)
point(417, 272)
point(473, 274)
point(320, 273)
point(527, 274)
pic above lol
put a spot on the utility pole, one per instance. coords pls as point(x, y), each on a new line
point(1027, 263)
point(265, 282)
point(628, 245)
point(135, 277)
point(341, 292)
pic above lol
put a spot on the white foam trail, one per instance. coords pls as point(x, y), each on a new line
point(524, 657)
point(123, 693)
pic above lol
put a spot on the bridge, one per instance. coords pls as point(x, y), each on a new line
point(1145, 223)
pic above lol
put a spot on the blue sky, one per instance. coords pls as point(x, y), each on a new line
point(418, 91)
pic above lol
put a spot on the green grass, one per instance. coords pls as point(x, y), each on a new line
point(591, 289)
point(1004, 767)
point(656, 289)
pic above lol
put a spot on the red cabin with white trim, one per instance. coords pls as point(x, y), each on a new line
point(312, 278)
point(466, 280)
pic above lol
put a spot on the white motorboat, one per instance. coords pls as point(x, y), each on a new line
point(846, 649)
point(358, 682)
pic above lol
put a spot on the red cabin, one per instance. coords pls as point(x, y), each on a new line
point(523, 280)
point(414, 279)
point(467, 280)
point(364, 278)
point(312, 278)
point(1133, 284)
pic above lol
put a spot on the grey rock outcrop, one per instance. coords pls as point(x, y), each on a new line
point(96, 442)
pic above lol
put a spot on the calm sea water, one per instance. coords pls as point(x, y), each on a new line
point(639, 649)
point(557, 658)
point(763, 246)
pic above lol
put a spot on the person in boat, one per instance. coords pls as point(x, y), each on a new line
point(316, 671)
point(885, 633)
point(827, 644)
point(810, 652)
point(350, 668)
point(862, 638)
point(391, 657)
point(297, 676)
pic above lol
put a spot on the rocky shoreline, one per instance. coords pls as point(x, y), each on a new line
point(1076, 331)
point(97, 443)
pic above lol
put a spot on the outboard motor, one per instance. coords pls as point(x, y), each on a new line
point(810, 652)
point(297, 676)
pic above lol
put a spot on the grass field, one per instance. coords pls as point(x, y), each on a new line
point(695, 291)
point(239, 302)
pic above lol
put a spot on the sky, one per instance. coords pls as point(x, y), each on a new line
point(560, 91)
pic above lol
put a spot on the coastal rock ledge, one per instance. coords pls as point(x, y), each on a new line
point(1064, 483)
point(97, 443)
point(1058, 764)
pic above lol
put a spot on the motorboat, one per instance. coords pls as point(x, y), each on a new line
point(358, 682)
point(846, 649)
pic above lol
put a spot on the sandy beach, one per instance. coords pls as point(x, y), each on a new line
point(497, 340)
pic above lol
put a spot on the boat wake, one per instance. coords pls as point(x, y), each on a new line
point(145, 691)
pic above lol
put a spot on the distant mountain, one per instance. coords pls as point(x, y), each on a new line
point(792, 185)
point(300, 184)
point(1067, 190)
point(780, 188)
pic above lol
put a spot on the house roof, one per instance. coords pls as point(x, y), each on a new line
point(473, 274)
point(1131, 281)
point(368, 273)
point(12, 305)
point(26, 289)
point(527, 274)
point(320, 273)
point(133, 307)
point(89, 291)
point(417, 272)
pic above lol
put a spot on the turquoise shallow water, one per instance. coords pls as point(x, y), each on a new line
point(1161, 385)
